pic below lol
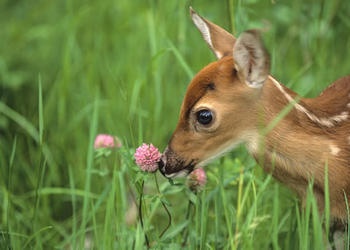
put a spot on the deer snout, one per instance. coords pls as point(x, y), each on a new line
point(172, 165)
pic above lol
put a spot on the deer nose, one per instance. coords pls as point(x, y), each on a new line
point(162, 164)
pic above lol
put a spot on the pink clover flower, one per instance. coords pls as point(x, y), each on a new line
point(147, 157)
point(197, 179)
point(106, 141)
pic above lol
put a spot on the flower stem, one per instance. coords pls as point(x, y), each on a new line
point(140, 213)
point(185, 231)
point(166, 210)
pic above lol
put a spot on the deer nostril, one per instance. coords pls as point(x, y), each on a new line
point(161, 164)
point(162, 161)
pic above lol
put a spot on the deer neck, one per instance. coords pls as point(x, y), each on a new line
point(289, 148)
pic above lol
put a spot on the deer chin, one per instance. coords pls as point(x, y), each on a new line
point(179, 174)
point(189, 168)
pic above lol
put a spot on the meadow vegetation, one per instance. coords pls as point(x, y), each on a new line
point(70, 70)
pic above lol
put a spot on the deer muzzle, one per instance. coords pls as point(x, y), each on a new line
point(172, 165)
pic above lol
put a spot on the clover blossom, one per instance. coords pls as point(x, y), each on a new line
point(107, 141)
point(147, 157)
point(197, 179)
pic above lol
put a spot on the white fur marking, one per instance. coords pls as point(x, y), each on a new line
point(254, 84)
point(334, 149)
point(328, 122)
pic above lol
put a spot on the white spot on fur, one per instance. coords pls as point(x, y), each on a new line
point(328, 122)
point(334, 149)
point(252, 141)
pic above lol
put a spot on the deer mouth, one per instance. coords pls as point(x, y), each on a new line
point(171, 166)
point(181, 173)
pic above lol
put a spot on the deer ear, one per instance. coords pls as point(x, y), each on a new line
point(219, 40)
point(251, 59)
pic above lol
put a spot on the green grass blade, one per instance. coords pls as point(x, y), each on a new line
point(21, 121)
point(181, 60)
point(41, 113)
point(89, 166)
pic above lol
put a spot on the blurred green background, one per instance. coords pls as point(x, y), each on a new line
point(128, 63)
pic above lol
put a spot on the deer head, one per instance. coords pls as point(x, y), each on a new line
point(220, 107)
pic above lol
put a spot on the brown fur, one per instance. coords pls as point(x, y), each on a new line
point(302, 148)
point(296, 151)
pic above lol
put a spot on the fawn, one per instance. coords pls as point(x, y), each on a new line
point(234, 99)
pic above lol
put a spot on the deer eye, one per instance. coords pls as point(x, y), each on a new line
point(204, 116)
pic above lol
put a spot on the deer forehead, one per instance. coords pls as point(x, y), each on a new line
point(217, 77)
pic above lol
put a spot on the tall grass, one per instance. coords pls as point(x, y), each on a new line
point(72, 69)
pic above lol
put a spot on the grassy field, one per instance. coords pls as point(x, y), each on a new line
point(70, 70)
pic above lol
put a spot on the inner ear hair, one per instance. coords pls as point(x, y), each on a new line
point(251, 58)
point(218, 39)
